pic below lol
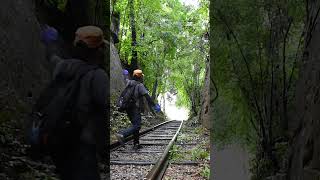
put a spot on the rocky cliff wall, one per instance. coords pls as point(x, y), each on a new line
point(23, 68)
point(117, 83)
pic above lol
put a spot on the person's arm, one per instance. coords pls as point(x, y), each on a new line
point(149, 100)
point(144, 92)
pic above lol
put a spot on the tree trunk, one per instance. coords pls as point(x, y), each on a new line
point(115, 27)
point(305, 121)
point(134, 59)
point(164, 103)
point(154, 90)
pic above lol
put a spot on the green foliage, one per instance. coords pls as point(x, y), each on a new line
point(198, 153)
point(205, 172)
point(60, 4)
point(260, 168)
point(12, 112)
point(170, 45)
point(255, 47)
point(6, 115)
point(185, 137)
point(199, 130)
point(175, 153)
point(240, 40)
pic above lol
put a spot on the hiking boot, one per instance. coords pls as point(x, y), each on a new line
point(137, 146)
point(120, 138)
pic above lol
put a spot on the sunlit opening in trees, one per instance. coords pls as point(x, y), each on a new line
point(194, 3)
point(168, 105)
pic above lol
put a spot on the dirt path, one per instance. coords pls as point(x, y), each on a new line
point(230, 163)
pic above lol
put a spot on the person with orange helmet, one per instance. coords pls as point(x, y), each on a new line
point(84, 135)
point(134, 111)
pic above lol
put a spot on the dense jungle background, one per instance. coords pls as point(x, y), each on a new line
point(265, 76)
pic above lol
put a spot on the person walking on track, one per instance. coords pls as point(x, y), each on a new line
point(136, 91)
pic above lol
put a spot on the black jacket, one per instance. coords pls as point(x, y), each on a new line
point(93, 101)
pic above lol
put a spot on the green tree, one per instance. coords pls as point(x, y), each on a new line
point(255, 47)
point(171, 46)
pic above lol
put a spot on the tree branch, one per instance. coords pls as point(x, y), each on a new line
point(284, 89)
point(248, 70)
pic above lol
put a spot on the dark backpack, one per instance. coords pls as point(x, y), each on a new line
point(126, 99)
point(52, 122)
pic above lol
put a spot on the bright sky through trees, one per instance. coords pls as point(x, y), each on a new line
point(172, 111)
point(194, 3)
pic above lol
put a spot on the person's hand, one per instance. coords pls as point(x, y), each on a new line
point(157, 108)
point(49, 34)
point(125, 72)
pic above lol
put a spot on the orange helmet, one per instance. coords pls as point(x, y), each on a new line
point(91, 35)
point(138, 73)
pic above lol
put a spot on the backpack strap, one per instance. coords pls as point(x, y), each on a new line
point(134, 88)
point(133, 91)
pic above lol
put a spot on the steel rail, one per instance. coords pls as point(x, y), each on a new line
point(161, 165)
point(117, 144)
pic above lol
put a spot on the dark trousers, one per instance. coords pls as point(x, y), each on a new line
point(135, 119)
point(77, 162)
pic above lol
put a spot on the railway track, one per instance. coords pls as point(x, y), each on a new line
point(149, 162)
